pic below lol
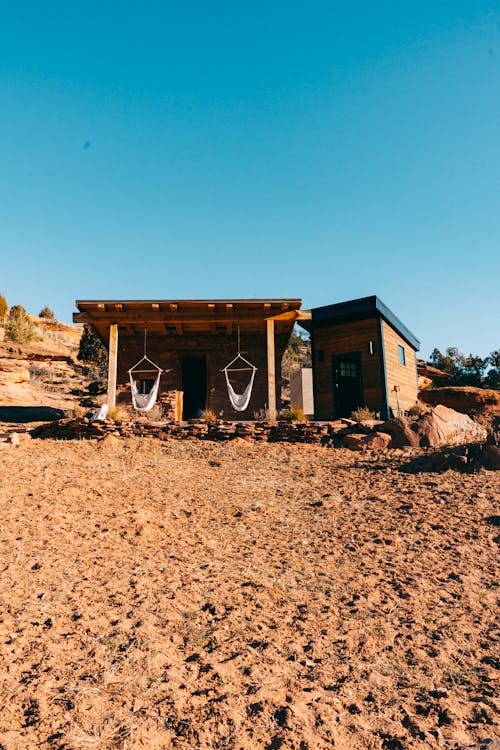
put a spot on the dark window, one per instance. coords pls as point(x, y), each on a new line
point(402, 356)
point(348, 370)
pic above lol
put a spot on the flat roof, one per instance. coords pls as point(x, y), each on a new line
point(359, 309)
point(188, 317)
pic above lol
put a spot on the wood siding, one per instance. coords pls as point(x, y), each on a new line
point(404, 376)
point(343, 338)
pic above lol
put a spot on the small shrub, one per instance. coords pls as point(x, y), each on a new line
point(19, 327)
point(418, 410)
point(298, 414)
point(4, 308)
point(362, 413)
point(209, 415)
point(47, 313)
point(76, 413)
point(115, 414)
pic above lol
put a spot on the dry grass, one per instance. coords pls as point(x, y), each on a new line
point(197, 595)
point(362, 413)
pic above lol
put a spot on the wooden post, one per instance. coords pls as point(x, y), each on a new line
point(271, 374)
point(112, 365)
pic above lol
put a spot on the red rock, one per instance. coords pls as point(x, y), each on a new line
point(401, 432)
point(354, 441)
point(377, 441)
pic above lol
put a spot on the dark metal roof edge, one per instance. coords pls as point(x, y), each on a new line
point(397, 324)
point(357, 309)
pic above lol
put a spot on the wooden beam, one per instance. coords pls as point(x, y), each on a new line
point(271, 374)
point(112, 365)
point(179, 329)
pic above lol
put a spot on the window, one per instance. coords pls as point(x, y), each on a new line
point(348, 370)
point(402, 356)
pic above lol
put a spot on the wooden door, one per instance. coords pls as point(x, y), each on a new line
point(347, 383)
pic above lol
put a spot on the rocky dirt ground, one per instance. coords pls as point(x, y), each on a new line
point(243, 595)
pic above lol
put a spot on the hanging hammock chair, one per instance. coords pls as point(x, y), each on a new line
point(144, 402)
point(239, 401)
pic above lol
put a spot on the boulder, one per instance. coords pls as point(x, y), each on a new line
point(354, 441)
point(401, 431)
point(368, 425)
point(377, 441)
point(444, 426)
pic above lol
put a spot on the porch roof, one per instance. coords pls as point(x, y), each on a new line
point(189, 317)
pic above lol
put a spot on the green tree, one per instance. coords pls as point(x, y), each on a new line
point(92, 350)
point(492, 379)
point(19, 327)
point(47, 313)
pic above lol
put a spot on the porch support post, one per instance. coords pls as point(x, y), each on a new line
point(112, 365)
point(271, 374)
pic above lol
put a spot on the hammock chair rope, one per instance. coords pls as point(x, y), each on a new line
point(144, 402)
point(239, 401)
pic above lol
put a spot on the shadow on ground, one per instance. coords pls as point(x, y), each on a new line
point(26, 414)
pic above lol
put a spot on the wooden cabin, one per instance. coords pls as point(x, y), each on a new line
point(362, 355)
point(191, 341)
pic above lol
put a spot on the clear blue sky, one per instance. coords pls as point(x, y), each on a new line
point(326, 150)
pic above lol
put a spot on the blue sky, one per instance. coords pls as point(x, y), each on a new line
point(323, 150)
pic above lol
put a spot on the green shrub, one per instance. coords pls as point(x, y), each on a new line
point(4, 308)
point(92, 350)
point(47, 313)
point(19, 327)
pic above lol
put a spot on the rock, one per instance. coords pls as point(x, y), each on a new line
point(354, 441)
point(401, 432)
point(368, 425)
point(449, 427)
point(13, 438)
point(462, 398)
point(377, 441)
point(491, 456)
point(14, 371)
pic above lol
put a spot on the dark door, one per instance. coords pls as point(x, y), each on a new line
point(194, 385)
point(347, 387)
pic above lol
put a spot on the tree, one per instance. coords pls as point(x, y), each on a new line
point(472, 370)
point(47, 313)
point(92, 350)
point(4, 308)
point(492, 379)
point(20, 328)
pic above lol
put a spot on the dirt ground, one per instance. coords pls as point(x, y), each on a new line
point(241, 595)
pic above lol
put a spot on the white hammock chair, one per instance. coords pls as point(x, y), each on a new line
point(144, 402)
point(239, 401)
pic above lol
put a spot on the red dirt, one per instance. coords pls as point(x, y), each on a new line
point(200, 595)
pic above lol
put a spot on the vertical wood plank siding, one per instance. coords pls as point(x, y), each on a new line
point(405, 376)
point(343, 338)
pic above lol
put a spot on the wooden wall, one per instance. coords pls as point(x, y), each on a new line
point(405, 376)
point(342, 338)
point(167, 352)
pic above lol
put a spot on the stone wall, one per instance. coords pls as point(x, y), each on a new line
point(167, 352)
